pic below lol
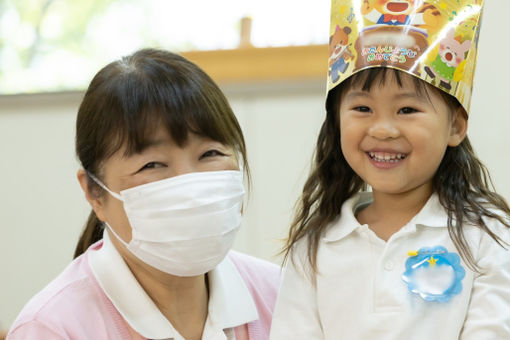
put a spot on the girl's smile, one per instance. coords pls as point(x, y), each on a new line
point(386, 159)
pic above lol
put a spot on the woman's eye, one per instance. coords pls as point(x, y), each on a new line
point(212, 153)
point(362, 109)
point(407, 110)
point(151, 165)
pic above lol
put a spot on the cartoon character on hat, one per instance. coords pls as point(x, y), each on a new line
point(452, 52)
point(400, 12)
point(339, 52)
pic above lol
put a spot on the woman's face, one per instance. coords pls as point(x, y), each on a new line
point(162, 158)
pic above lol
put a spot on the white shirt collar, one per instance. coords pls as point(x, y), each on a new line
point(431, 215)
point(230, 302)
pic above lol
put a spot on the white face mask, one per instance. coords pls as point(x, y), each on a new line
point(183, 225)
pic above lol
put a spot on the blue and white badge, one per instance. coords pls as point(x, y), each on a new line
point(434, 274)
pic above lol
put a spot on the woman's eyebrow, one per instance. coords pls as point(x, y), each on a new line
point(155, 142)
point(147, 144)
point(152, 143)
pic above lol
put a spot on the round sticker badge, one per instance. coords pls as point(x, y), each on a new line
point(434, 274)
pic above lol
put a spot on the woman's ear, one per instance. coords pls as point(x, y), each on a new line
point(459, 127)
point(94, 201)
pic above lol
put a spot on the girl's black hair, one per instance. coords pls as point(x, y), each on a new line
point(461, 182)
point(129, 99)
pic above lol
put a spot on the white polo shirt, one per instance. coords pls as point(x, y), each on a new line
point(360, 292)
point(230, 302)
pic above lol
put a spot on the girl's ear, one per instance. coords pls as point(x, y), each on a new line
point(94, 201)
point(459, 127)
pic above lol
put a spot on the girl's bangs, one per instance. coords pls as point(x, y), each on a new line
point(379, 76)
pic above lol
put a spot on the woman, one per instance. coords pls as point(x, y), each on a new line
point(160, 151)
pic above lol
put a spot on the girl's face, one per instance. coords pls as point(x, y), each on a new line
point(161, 159)
point(394, 137)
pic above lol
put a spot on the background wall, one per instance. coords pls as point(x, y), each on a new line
point(42, 209)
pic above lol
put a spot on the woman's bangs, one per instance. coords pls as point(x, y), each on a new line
point(139, 95)
point(181, 109)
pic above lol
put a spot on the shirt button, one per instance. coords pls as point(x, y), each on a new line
point(389, 265)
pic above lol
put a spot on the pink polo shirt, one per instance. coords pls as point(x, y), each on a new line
point(77, 306)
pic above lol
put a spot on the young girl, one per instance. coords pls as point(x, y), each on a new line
point(424, 255)
point(161, 151)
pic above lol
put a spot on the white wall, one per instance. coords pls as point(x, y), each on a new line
point(41, 205)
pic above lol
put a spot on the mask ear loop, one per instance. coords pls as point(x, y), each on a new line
point(114, 194)
point(126, 244)
point(240, 162)
point(98, 182)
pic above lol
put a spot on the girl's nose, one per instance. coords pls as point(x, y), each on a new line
point(383, 129)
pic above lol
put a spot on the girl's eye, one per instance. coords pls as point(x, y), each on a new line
point(211, 153)
point(407, 110)
point(151, 165)
point(362, 109)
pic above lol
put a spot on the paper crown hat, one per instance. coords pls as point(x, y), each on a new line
point(435, 40)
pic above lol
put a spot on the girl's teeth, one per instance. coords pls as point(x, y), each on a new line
point(386, 157)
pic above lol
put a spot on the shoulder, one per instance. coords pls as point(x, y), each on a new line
point(492, 229)
point(496, 225)
point(35, 328)
point(261, 277)
point(70, 283)
point(65, 303)
point(500, 245)
point(253, 270)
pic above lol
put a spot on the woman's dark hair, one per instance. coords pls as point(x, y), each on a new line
point(462, 182)
point(128, 99)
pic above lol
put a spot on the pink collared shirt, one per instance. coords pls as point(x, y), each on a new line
point(75, 306)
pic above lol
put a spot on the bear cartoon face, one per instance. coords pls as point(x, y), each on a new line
point(451, 51)
point(339, 41)
point(395, 7)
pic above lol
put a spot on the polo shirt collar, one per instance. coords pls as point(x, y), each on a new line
point(346, 223)
point(230, 302)
point(431, 215)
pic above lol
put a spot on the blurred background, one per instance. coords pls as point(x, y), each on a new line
point(269, 57)
point(42, 40)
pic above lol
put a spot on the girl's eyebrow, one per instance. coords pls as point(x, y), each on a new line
point(411, 95)
point(403, 95)
point(356, 94)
